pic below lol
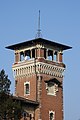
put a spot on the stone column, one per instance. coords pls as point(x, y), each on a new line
point(46, 53)
point(17, 57)
point(60, 56)
point(31, 53)
point(53, 56)
point(35, 52)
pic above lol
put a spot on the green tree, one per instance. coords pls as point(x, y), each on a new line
point(9, 108)
point(4, 82)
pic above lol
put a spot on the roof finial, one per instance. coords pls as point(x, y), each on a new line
point(39, 35)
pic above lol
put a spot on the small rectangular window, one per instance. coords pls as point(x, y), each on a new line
point(27, 88)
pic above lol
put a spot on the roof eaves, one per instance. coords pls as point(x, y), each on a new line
point(45, 41)
point(25, 100)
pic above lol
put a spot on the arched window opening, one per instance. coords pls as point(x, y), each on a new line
point(25, 115)
point(51, 115)
point(27, 88)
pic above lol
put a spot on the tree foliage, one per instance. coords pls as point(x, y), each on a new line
point(9, 108)
point(4, 82)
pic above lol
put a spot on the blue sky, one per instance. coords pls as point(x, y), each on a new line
point(60, 22)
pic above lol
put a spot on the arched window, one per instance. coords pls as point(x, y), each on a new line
point(27, 88)
point(25, 115)
point(51, 115)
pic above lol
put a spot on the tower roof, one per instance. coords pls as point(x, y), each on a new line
point(27, 101)
point(38, 40)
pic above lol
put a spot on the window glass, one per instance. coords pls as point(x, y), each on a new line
point(27, 88)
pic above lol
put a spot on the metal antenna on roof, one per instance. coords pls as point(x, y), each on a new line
point(39, 35)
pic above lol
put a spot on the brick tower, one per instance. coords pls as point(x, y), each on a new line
point(38, 72)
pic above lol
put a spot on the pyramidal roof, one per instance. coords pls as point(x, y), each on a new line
point(38, 40)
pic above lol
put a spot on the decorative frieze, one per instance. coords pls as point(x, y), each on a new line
point(30, 67)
